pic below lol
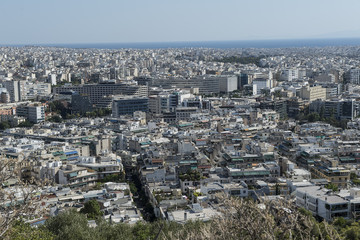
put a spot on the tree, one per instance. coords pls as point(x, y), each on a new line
point(70, 225)
point(265, 92)
point(119, 231)
point(354, 178)
point(26, 124)
point(133, 188)
point(352, 233)
point(322, 112)
point(313, 117)
point(191, 175)
point(242, 59)
point(23, 231)
point(4, 125)
point(14, 202)
point(111, 178)
point(91, 209)
point(277, 94)
point(332, 186)
point(55, 118)
point(59, 108)
point(143, 231)
point(277, 189)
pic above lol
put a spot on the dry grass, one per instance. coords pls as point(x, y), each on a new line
point(245, 219)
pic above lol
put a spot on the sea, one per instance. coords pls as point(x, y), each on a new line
point(292, 43)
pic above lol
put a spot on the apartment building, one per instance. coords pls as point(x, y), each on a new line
point(312, 93)
point(96, 92)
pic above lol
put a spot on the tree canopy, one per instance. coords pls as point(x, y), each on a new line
point(91, 209)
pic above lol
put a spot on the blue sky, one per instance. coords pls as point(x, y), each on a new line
point(103, 21)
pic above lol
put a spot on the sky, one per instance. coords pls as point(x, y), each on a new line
point(127, 21)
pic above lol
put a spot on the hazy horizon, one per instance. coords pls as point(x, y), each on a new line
point(111, 21)
point(273, 43)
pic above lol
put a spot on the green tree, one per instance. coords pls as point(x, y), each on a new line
point(92, 209)
point(277, 94)
point(352, 233)
point(143, 231)
point(332, 186)
point(340, 222)
point(133, 188)
point(313, 117)
point(242, 59)
point(119, 231)
point(59, 108)
point(70, 225)
point(55, 118)
point(322, 112)
point(26, 124)
point(111, 178)
point(4, 125)
point(23, 231)
point(191, 175)
point(277, 189)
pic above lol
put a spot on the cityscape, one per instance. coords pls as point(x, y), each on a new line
point(256, 138)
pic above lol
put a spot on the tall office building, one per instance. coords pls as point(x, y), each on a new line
point(243, 79)
point(127, 105)
point(13, 89)
point(228, 83)
point(354, 75)
point(52, 79)
point(114, 73)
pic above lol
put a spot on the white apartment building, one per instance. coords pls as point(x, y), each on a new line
point(261, 83)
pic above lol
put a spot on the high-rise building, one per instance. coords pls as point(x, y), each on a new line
point(354, 75)
point(114, 73)
point(261, 83)
point(228, 84)
point(243, 79)
point(13, 89)
point(52, 79)
point(127, 105)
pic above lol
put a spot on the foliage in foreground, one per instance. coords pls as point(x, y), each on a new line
point(243, 219)
point(23, 231)
point(91, 209)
